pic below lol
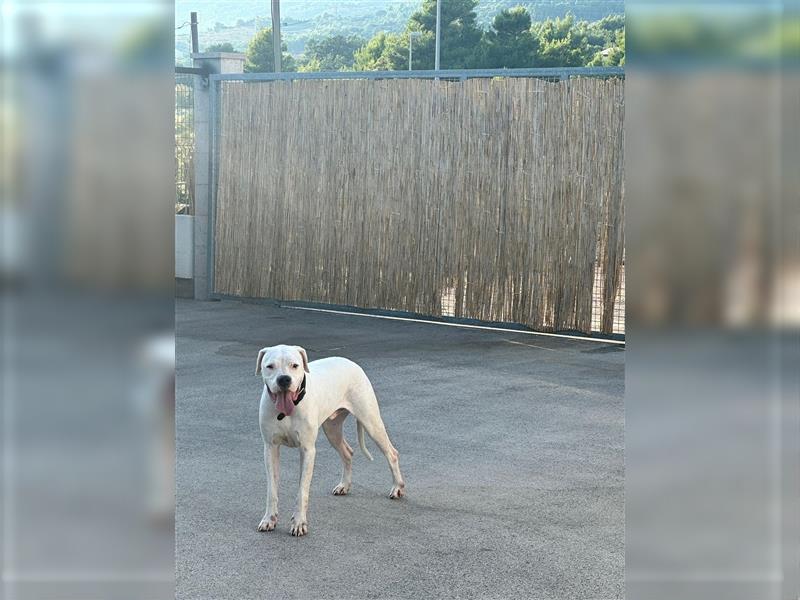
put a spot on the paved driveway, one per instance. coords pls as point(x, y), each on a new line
point(511, 446)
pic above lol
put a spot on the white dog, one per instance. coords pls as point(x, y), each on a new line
point(300, 396)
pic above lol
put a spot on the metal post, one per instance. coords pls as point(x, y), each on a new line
point(276, 33)
point(438, 33)
point(195, 43)
point(206, 122)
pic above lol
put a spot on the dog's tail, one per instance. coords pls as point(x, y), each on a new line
point(360, 429)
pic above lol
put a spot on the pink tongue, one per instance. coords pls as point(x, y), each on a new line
point(285, 402)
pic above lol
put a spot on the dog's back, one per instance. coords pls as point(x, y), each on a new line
point(341, 375)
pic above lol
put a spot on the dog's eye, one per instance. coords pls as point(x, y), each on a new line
point(270, 366)
point(294, 365)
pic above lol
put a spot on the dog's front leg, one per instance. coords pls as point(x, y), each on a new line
point(299, 519)
point(271, 461)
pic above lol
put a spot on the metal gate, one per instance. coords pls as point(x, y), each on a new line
point(184, 143)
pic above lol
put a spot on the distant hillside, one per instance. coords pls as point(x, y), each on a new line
point(236, 21)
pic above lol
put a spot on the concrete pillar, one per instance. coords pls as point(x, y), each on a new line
point(211, 62)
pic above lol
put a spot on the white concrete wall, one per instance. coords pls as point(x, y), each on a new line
point(184, 246)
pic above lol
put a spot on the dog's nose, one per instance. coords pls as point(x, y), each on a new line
point(284, 381)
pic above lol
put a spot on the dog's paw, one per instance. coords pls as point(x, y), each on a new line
point(268, 523)
point(341, 490)
point(398, 491)
point(298, 528)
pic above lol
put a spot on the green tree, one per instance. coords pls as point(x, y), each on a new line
point(460, 43)
point(611, 24)
point(384, 52)
point(310, 66)
point(509, 43)
point(612, 56)
point(223, 47)
point(461, 36)
point(259, 55)
point(513, 41)
point(563, 43)
point(332, 53)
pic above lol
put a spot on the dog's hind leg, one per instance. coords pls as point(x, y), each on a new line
point(373, 423)
point(333, 431)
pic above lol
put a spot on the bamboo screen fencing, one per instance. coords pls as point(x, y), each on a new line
point(491, 199)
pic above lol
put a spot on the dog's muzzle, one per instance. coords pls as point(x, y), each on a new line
point(284, 400)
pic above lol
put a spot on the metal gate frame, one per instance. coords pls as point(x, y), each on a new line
point(553, 74)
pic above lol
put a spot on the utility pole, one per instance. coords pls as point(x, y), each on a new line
point(195, 43)
point(276, 33)
point(438, 33)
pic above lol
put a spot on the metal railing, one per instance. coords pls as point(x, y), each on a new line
point(556, 73)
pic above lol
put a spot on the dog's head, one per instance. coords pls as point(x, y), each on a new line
point(282, 368)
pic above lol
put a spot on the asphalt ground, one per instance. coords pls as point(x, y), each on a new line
point(511, 446)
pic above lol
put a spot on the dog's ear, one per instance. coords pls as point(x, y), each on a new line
point(302, 352)
point(261, 354)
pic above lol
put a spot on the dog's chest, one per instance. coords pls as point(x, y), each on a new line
point(284, 434)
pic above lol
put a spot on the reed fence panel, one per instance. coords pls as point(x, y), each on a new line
point(492, 199)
